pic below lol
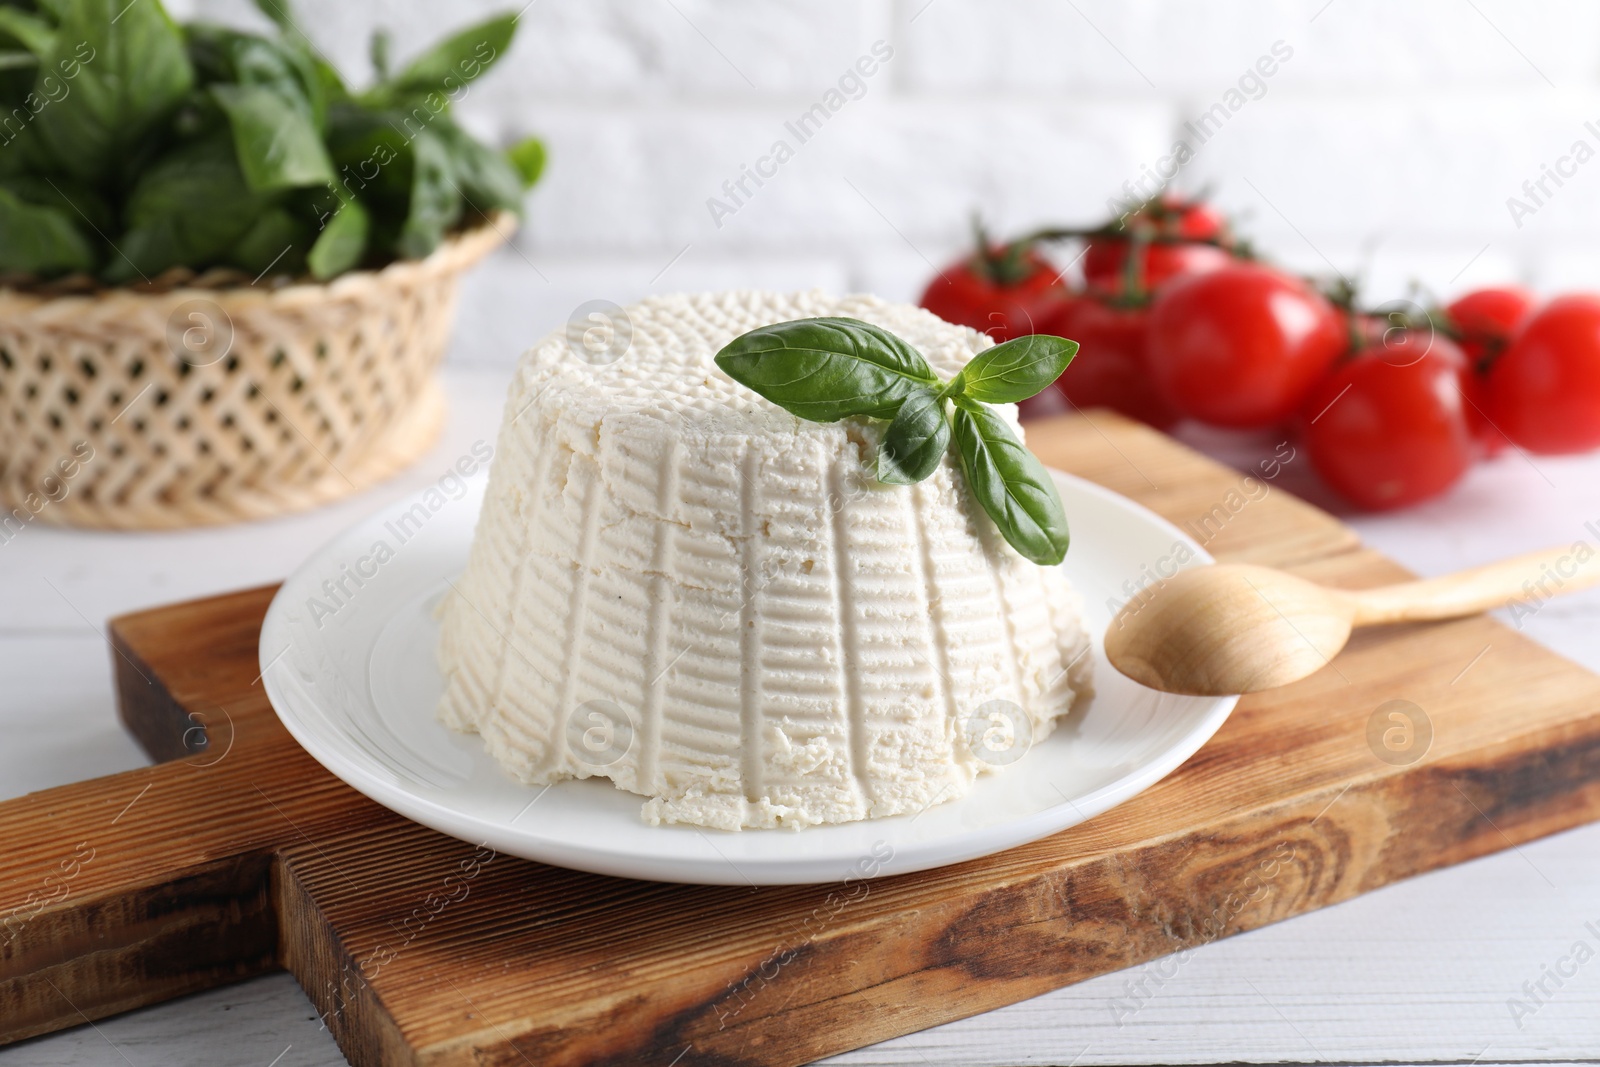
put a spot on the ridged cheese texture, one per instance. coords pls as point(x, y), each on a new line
point(677, 585)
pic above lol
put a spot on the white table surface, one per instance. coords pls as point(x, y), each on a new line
point(1417, 972)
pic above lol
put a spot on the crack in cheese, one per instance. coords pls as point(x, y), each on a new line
point(679, 586)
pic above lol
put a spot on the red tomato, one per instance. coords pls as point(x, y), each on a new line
point(1486, 318)
point(1241, 346)
point(1110, 369)
point(1105, 262)
point(1198, 221)
point(1400, 346)
point(1389, 427)
point(1544, 389)
point(1176, 216)
point(1005, 294)
point(1475, 394)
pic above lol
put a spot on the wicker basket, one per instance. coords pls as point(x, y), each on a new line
point(147, 410)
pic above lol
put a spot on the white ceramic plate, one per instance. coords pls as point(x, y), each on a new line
point(355, 682)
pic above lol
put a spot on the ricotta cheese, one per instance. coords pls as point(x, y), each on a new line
point(679, 586)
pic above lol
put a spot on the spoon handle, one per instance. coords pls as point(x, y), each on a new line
point(1530, 579)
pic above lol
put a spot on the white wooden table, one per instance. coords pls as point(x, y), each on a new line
point(1423, 971)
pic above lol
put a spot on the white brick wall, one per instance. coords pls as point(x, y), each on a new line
point(1386, 145)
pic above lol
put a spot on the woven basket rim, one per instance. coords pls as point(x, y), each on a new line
point(455, 253)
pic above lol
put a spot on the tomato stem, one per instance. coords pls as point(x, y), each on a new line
point(1004, 265)
point(1134, 274)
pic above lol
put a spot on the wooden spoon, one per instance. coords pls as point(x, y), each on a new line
point(1236, 628)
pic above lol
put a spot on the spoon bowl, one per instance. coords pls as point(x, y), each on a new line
point(1228, 628)
point(1238, 628)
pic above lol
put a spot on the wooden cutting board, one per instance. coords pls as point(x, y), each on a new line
point(236, 853)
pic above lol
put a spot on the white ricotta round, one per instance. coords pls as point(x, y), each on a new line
point(679, 586)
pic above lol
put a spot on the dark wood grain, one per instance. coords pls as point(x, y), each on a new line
point(239, 853)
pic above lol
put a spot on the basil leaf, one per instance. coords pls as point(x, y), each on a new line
point(370, 149)
point(39, 239)
point(248, 66)
point(1011, 485)
point(916, 440)
point(373, 159)
point(25, 41)
point(31, 31)
point(15, 59)
point(188, 209)
point(277, 241)
point(288, 70)
point(85, 207)
point(333, 87)
point(275, 137)
point(342, 242)
point(528, 157)
point(435, 202)
point(455, 61)
point(132, 73)
point(403, 174)
point(827, 369)
point(223, 55)
point(485, 178)
point(281, 14)
point(1015, 370)
point(378, 52)
point(24, 154)
point(210, 52)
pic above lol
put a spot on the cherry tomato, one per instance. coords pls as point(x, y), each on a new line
point(1183, 223)
point(1241, 346)
point(1487, 318)
point(1199, 221)
point(1107, 260)
point(1401, 345)
point(1110, 369)
point(1544, 389)
point(1177, 216)
point(1389, 427)
point(1475, 394)
point(1006, 292)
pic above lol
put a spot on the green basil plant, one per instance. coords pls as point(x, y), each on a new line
point(130, 144)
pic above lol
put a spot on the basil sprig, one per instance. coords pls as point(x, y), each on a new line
point(827, 369)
